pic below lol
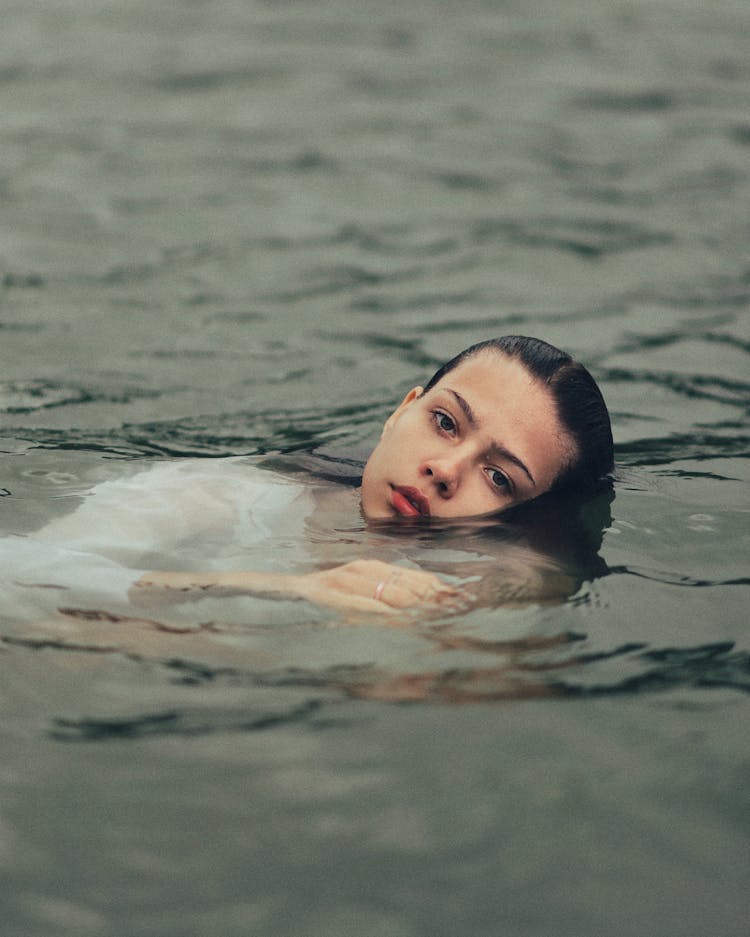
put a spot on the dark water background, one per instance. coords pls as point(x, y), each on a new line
point(247, 227)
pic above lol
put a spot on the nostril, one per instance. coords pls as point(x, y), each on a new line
point(428, 471)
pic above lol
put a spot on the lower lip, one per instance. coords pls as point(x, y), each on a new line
point(404, 507)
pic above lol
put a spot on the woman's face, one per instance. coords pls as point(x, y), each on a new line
point(484, 438)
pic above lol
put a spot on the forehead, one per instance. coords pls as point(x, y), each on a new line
point(513, 408)
point(493, 375)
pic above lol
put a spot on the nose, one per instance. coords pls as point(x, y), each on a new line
point(445, 473)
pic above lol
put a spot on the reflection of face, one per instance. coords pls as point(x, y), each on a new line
point(485, 437)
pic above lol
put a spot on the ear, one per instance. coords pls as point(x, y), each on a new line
point(409, 399)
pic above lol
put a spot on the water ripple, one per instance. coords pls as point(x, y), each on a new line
point(676, 579)
point(683, 447)
point(584, 236)
point(636, 343)
point(430, 301)
point(197, 80)
point(329, 281)
point(396, 240)
point(22, 281)
point(628, 101)
point(182, 723)
point(707, 387)
point(711, 666)
point(215, 436)
point(29, 396)
point(740, 133)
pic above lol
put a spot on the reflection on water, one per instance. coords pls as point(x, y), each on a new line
point(509, 669)
point(247, 229)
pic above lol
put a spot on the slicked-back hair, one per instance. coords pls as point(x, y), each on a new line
point(580, 406)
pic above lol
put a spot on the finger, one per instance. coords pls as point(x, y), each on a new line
point(431, 581)
point(333, 598)
point(429, 587)
point(405, 596)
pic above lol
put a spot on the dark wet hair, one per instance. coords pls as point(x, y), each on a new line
point(580, 406)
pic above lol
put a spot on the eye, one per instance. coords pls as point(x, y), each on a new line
point(498, 479)
point(444, 422)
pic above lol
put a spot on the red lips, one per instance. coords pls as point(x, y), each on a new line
point(410, 502)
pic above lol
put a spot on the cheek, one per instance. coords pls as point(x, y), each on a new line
point(474, 498)
point(399, 442)
point(376, 470)
point(480, 500)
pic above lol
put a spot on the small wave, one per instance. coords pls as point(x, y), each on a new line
point(214, 79)
point(182, 722)
point(740, 133)
point(709, 666)
point(680, 447)
point(623, 101)
point(12, 73)
point(585, 237)
point(215, 436)
point(306, 161)
point(638, 343)
point(329, 281)
point(698, 386)
point(396, 240)
point(675, 579)
point(657, 670)
point(22, 281)
point(708, 293)
point(29, 396)
point(21, 326)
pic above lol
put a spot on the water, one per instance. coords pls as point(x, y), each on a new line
point(248, 228)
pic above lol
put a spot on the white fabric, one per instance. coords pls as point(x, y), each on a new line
point(188, 514)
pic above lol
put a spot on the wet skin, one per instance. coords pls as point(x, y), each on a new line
point(484, 438)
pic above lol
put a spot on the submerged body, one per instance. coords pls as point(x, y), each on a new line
point(207, 520)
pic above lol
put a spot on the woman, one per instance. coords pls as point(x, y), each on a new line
point(504, 423)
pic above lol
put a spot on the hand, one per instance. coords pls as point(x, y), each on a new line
point(365, 585)
point(374, 586)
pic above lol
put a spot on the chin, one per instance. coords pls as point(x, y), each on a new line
point(371, 511)
point(375, 515)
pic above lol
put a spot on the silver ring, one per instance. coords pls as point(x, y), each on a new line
point(379, 588)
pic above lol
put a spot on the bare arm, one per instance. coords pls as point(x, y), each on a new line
point(365, 585)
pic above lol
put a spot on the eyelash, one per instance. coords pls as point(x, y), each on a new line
point(437, 417)
point(505, 485)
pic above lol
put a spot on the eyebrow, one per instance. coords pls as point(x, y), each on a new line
point(494, 447)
